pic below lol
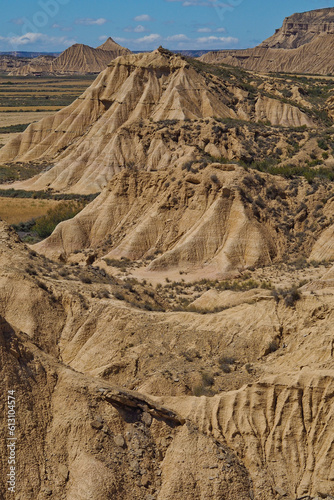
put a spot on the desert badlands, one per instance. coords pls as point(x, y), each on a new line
point(173, 338)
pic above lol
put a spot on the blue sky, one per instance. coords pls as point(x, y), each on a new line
point(53, 25)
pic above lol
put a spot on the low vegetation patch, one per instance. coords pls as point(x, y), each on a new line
point(13, 128)
point(290, 296)
point(45, 225)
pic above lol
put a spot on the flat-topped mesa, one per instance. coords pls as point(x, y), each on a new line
point(304, 44)
point(301, 28)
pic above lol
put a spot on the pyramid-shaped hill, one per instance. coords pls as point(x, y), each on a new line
point(142, 110)
point(81, 58)
point(304, 44)
point(77, 59)
point(111, 46)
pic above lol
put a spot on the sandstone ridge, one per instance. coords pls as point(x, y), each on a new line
point(301, 28)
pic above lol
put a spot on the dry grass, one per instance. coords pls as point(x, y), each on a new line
point(4, 138)
point(17, 118)
point(15, 210)
point(7, 119)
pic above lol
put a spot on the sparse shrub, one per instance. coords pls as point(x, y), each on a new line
point(85, 279)
point(322, 144)
point(207, 379)
point(225, 363)
point(45, 225)
point(291, 297)
point(42, 285)
point(199, 390)
point(214, 178)
point(260, 203)
point(119, 296)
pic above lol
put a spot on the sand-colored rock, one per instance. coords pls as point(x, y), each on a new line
point(209, 223)
point(82, 435)
point(111, 46)
point(117, 122)
point(312, 58)
point(203, 223)
point(77, 59)
point(300, 28)
point(9, 63)
point(324, 246)
point(302, 45)
point(265, 417)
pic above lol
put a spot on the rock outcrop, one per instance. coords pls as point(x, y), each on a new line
point(301, 28)
point(111, 46)
point(302, 45)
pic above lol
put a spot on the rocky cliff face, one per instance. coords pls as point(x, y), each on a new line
point(301, 28)
point(302, 45)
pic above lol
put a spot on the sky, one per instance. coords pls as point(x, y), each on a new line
point(54, 25)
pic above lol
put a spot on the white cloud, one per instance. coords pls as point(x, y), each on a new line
point(137, 29)
point(40, 38)
point(225, 41)
point(87, 21)
point(102, 38)
point(210, 30)
point(177, 38)
point(143, 18)
point(119, 39)
point(61, 28)
point(148, 38)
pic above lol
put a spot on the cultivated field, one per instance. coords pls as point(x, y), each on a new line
point(44, 94)
point(24, 100)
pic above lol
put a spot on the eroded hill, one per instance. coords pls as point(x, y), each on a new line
point(157, 109)
point(110, 390)
point(77, 59)
point(204, 220)
point(174, 340)
point(304, 44)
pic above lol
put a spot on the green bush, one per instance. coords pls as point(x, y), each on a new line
point(45, 225)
